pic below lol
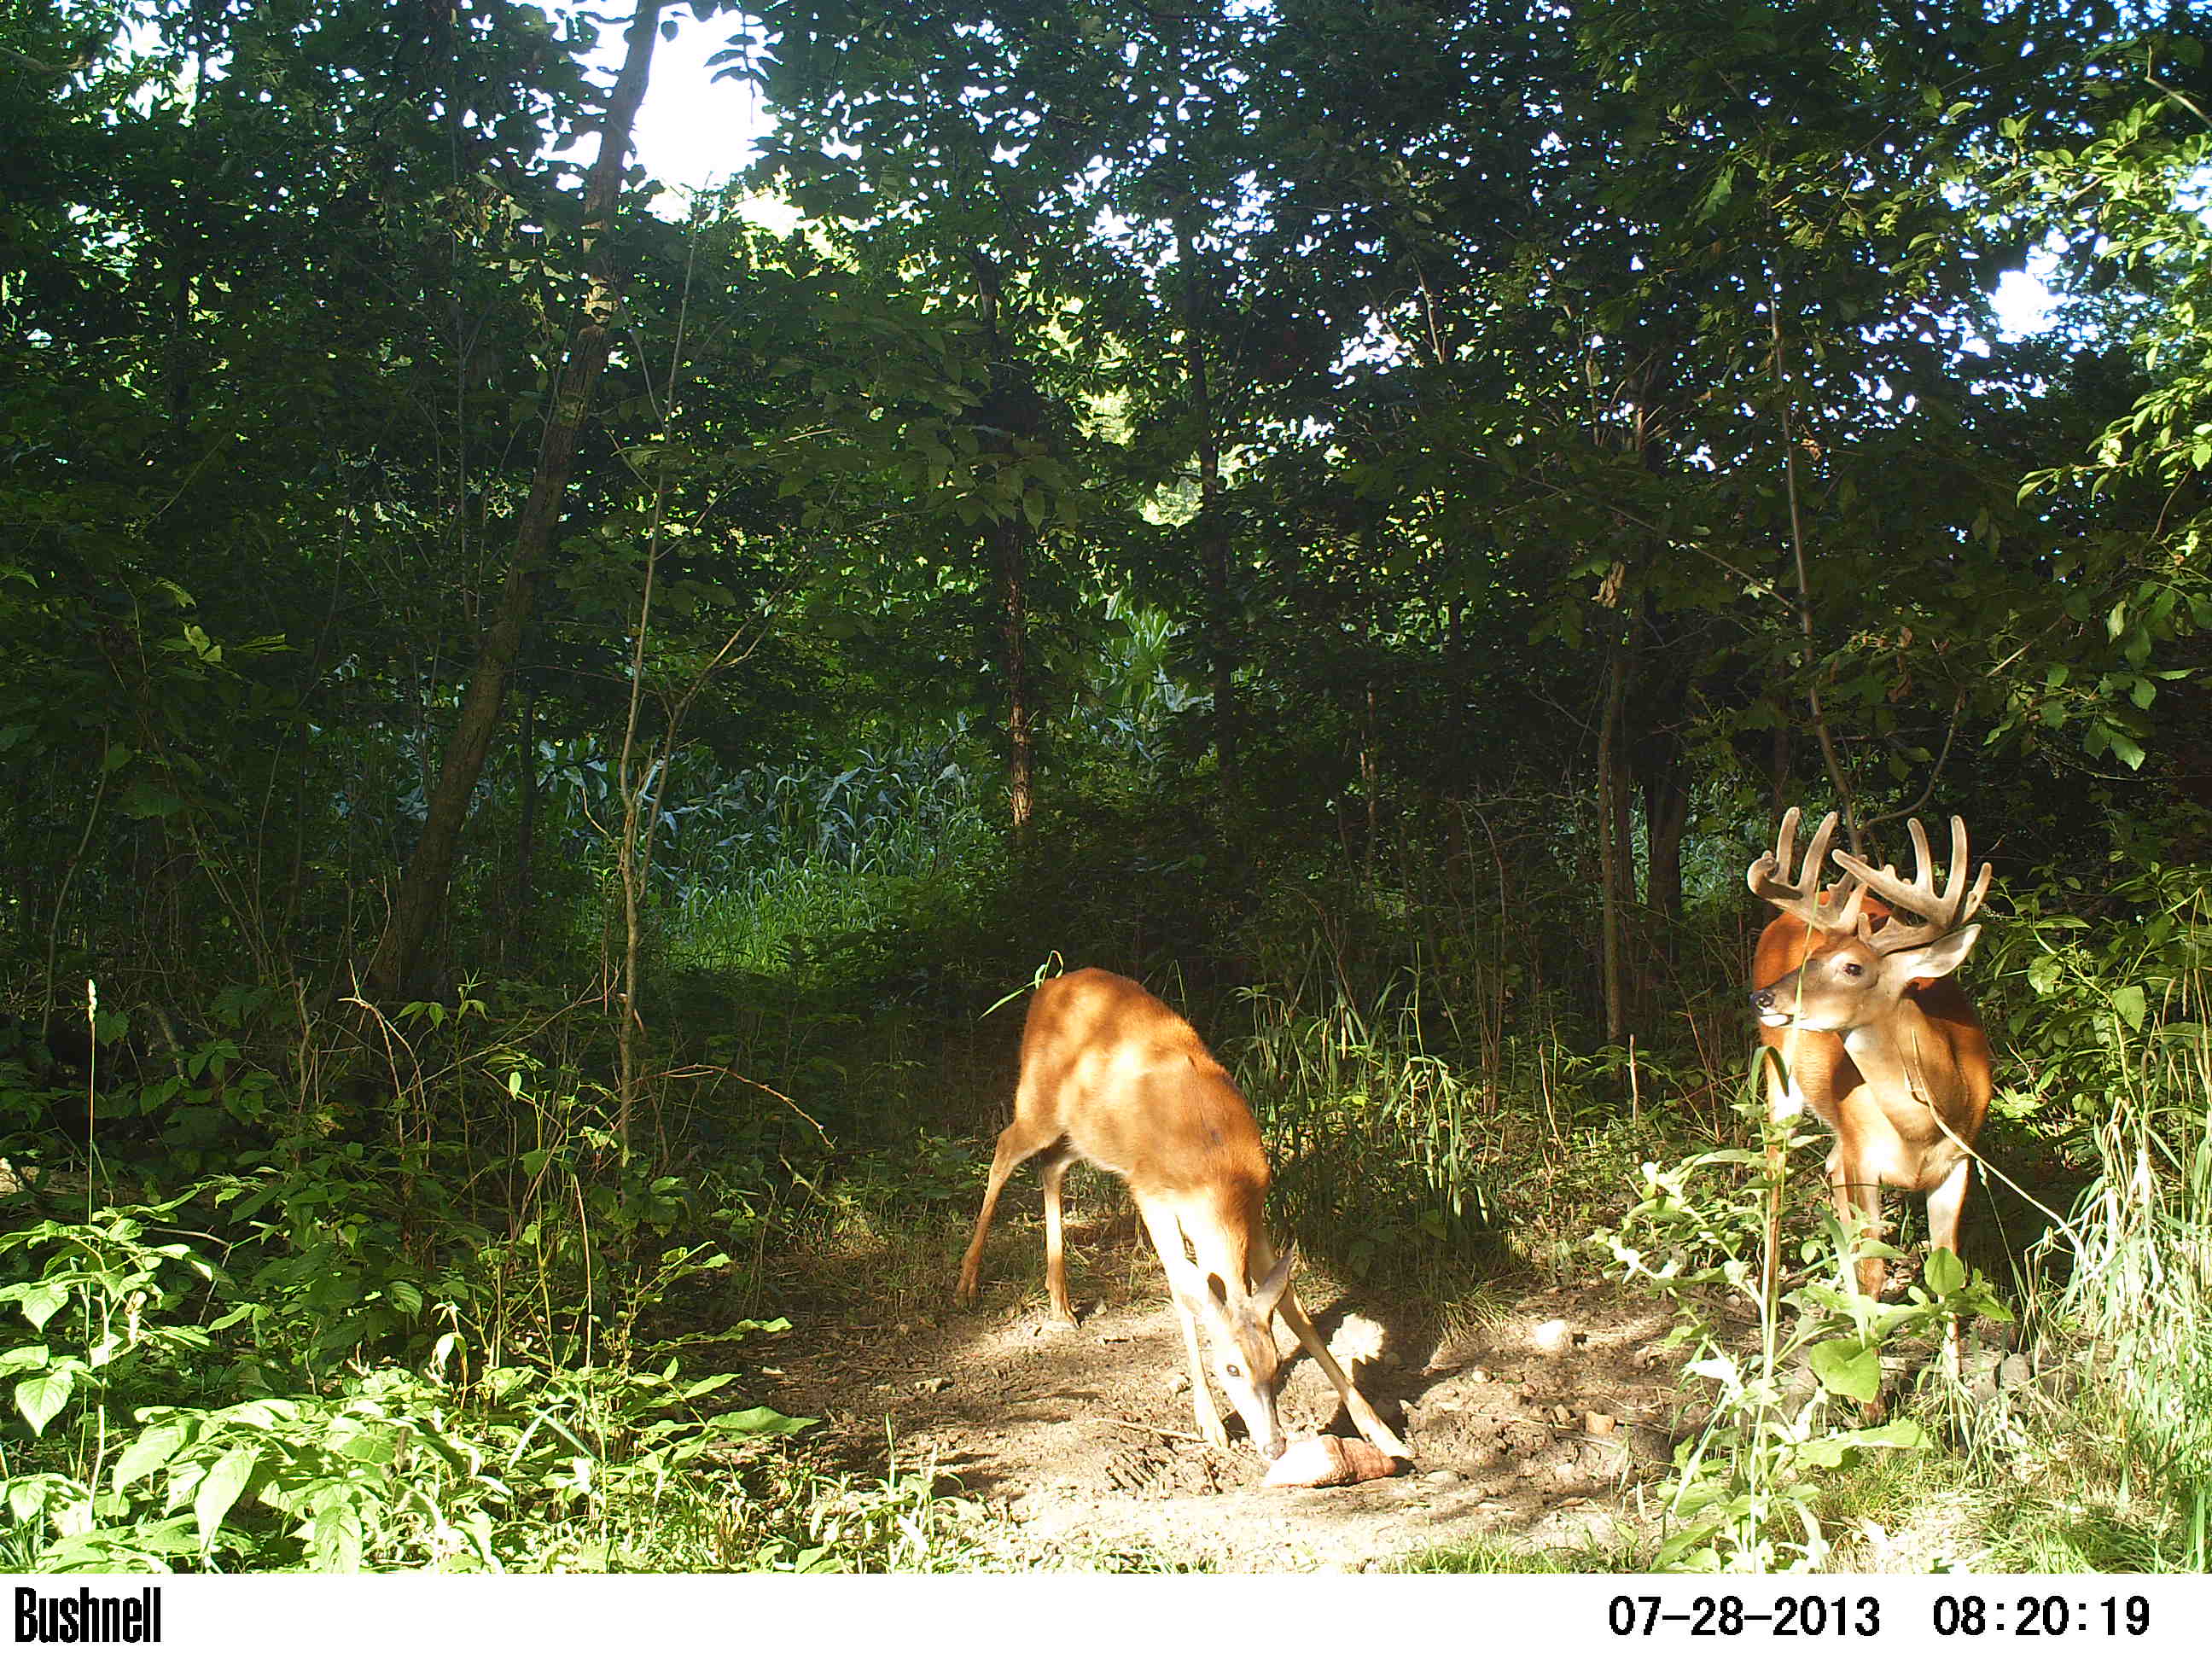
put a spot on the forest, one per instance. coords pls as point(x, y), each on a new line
point(554, 724)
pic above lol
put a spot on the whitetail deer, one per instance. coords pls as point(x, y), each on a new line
point(1112, 1075)
point(1886, 1049)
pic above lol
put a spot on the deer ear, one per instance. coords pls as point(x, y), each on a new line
point(1277, 1281)
point(1935, 960)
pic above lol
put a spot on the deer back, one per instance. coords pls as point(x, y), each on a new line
point(1133, 1089)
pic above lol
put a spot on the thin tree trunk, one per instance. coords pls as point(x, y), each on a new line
point(1658, 760)
point(1665, 815)
point(1012, 548)
point(1009, 413)
point(1370, 782)
point(634, 852)
point(1214, 553)
point(1615, 883)
point(522, 899)
point(1852, 832)
point(430, 872)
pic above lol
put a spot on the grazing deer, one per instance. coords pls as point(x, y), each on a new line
point(1112, 1075)
point(1879, 1040)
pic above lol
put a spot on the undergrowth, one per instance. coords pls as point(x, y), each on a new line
point(317, 1298)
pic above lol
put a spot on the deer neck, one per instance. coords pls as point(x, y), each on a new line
point(1903, 1059)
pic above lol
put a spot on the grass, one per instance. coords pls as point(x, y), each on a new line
point(754, 922)
point(1507, 1555)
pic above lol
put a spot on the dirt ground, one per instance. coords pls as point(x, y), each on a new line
point(1526, 1430)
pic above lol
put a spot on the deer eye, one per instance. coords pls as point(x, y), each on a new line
point(1232, 1370)
point(1854, 970)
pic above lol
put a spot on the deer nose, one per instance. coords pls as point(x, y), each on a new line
point(1762, 1000)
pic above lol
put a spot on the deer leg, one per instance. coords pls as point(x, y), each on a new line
point(1167, 1239)
point(1857, 1203)
point(1858, 1207)
point(1363, 1414)
point(1945, 1203)
point(1056, 1253)
point(1018, 1141)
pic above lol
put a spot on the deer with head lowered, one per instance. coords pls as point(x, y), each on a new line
point(1112, 1075)
point(1878, 1040)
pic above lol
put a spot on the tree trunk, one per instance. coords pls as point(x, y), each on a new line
point(1013, 622)
point(1616, 880)
point(430, 872)
point(1665, 815)
point(522, 896)
point(1009, 413)
point(1213, 541)
point(1370, 780)
point(1661, 702)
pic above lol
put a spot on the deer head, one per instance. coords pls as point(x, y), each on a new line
point(1858, 965)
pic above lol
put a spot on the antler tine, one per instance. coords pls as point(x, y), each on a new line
point(1770, 877)
point(1940, 912)
point(1759, 877)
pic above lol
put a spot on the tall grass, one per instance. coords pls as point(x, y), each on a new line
point(767, 864)
point(1353, 1102)
point(1401, 1150)
point(752, 920)
point(2115, 1021)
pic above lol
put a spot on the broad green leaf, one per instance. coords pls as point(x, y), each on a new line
point(26, 1496)
point(39, 1398)
point(1851, 1369)
point(2128, 1000)
point(760, 1420)
point(334, 1536)
point(1945, 1273)
point(41, 1302)
point(148, 1453)
point(220, 1488)
point(1902, 1433)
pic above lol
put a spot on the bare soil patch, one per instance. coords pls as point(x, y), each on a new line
point(1529, 1429)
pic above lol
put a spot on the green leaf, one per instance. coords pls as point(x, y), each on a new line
point(150, 1452)
point(26, 1498)
point(1945, 1273)
point(1910, 1436)
point(40, 1302)
point(760, 1420)
point(144, 800)
point(334, 1536)
point(220, 1488)
point(1830, 1451)
point(1851, 1369)
point(2128, 1000)
point(39, 1398)
point(36, 1357)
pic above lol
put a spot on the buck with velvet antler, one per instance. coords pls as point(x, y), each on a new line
point(1877, 1038)
point(1112, 1075)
